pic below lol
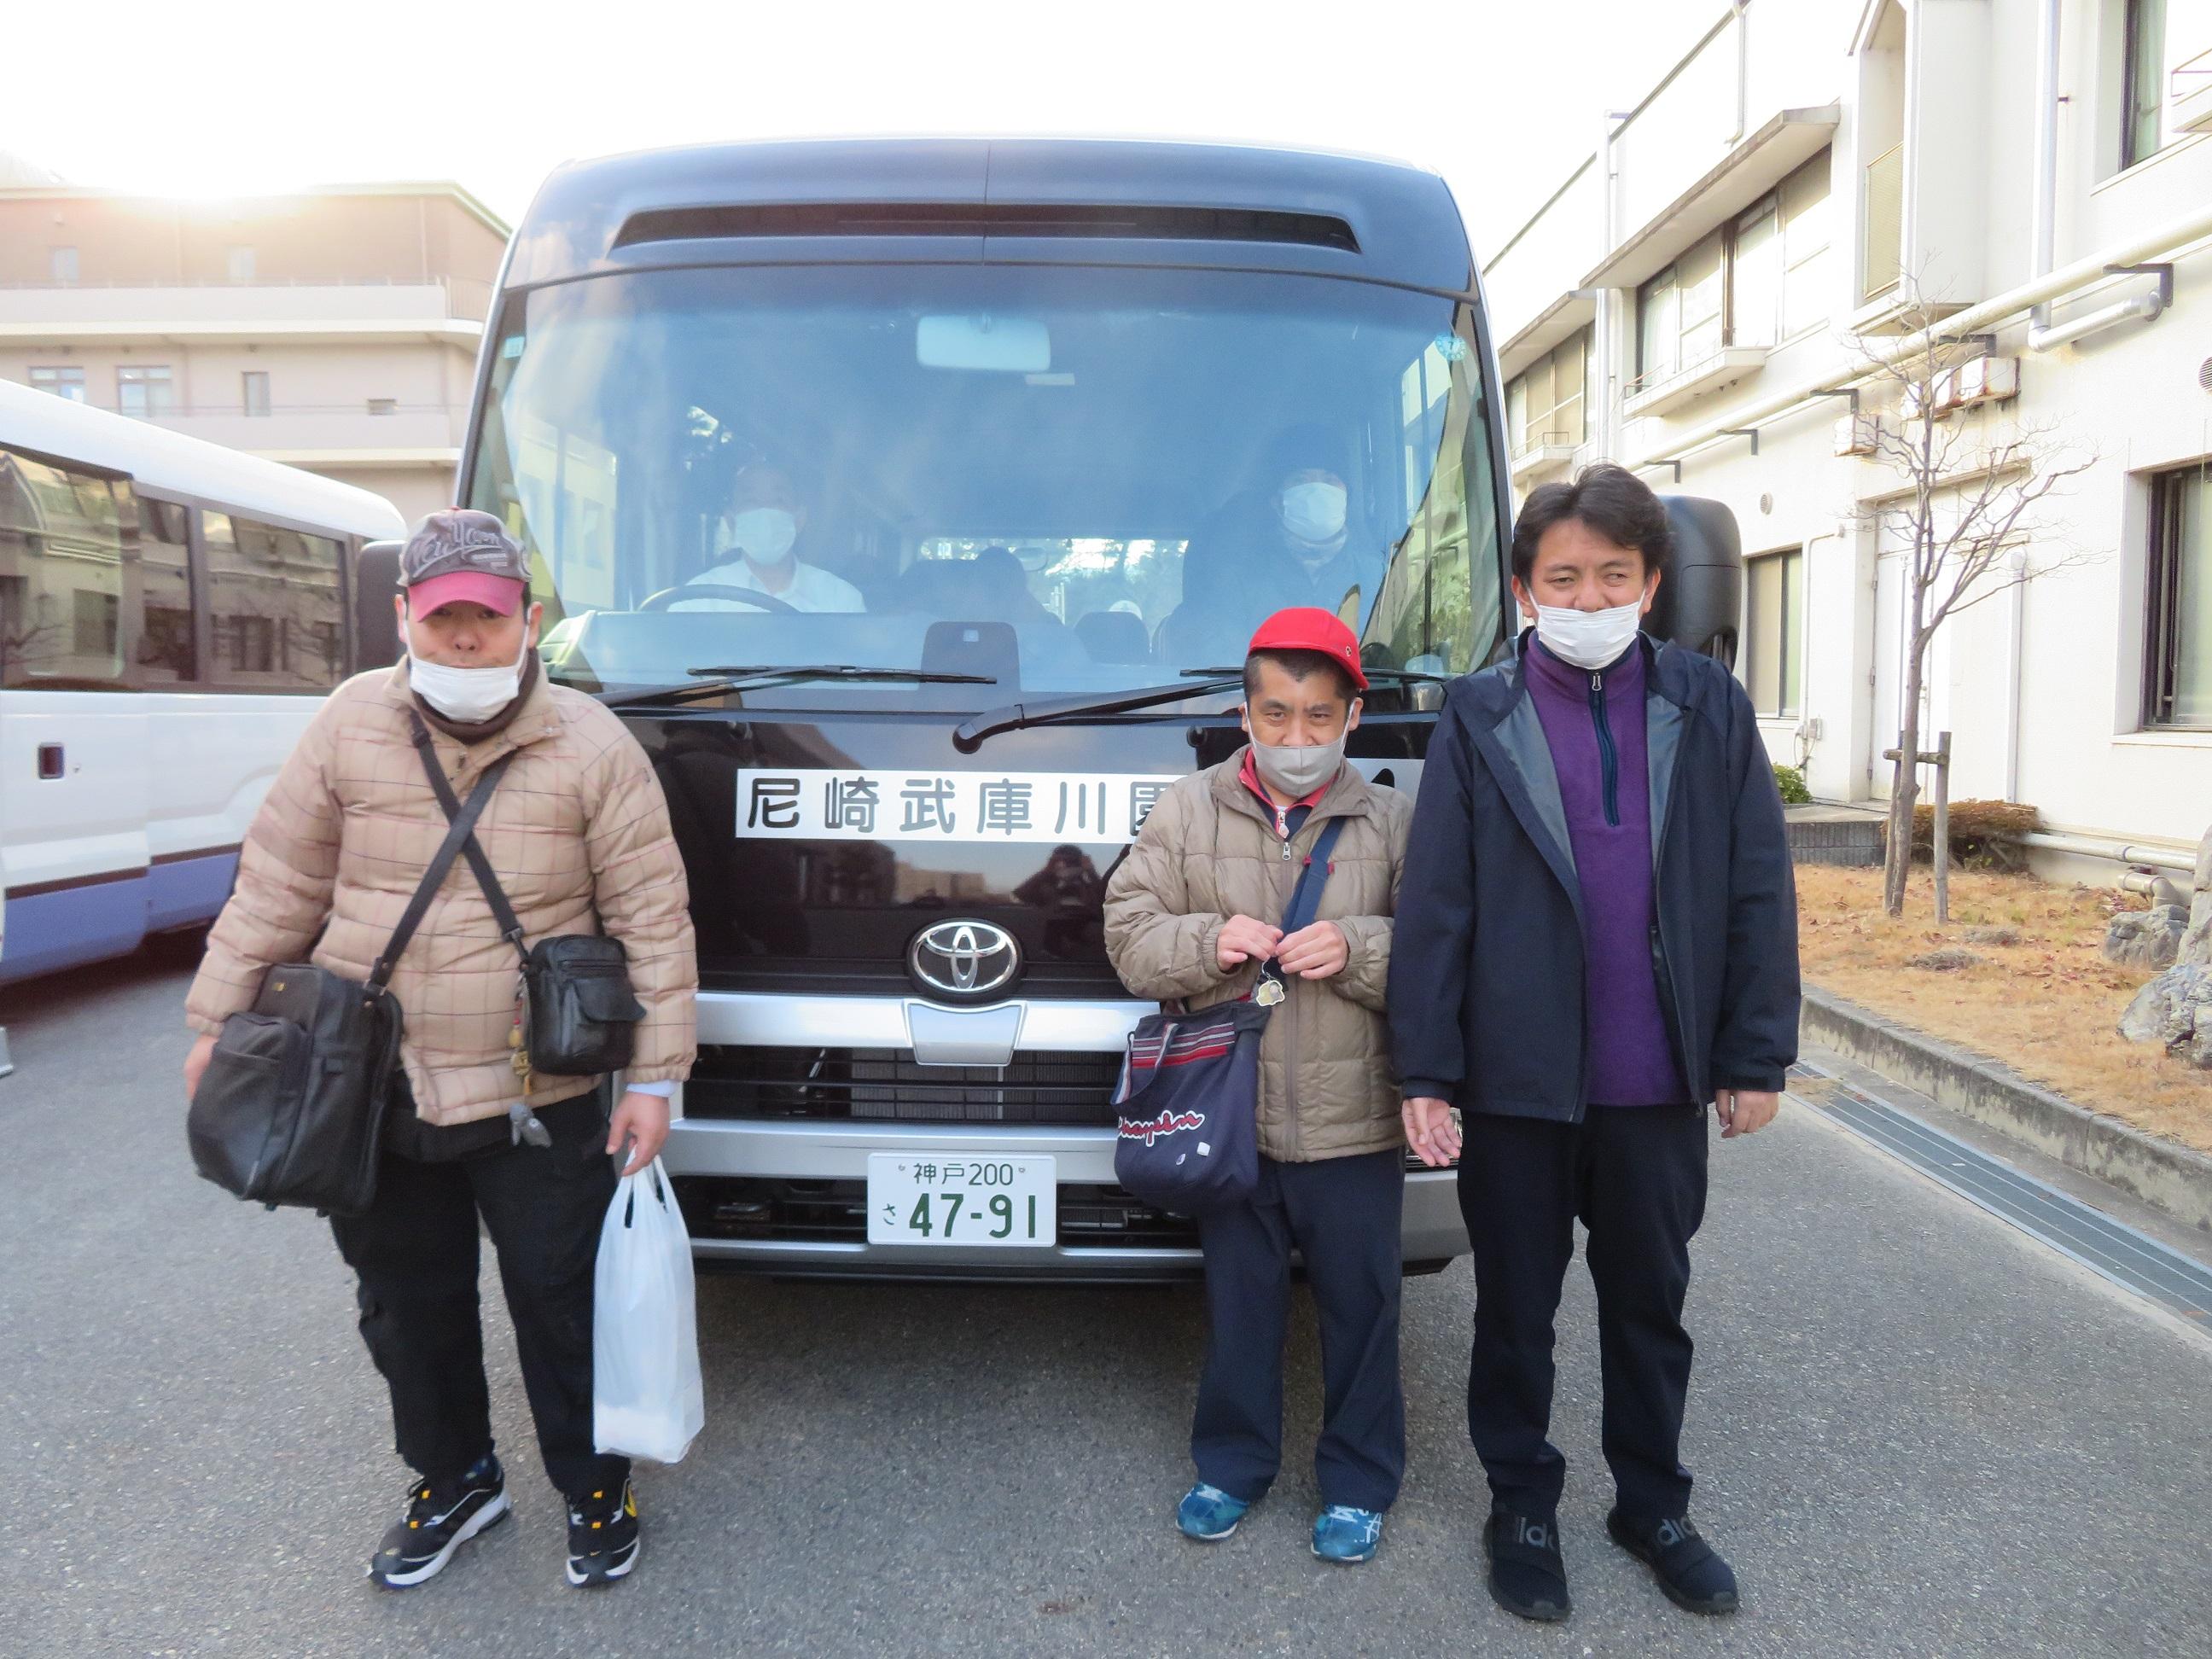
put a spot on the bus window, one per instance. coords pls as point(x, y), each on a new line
point(275, 596)
point(63, 549)
point(165, 654)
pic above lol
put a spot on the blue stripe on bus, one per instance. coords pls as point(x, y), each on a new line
point(46, 930)
point(41, 932)
point(188, 890)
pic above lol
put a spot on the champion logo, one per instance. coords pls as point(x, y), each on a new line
point(1167, 1123)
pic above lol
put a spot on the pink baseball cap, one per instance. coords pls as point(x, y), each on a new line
point(464, 556)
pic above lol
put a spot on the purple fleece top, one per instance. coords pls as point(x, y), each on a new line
point(1631, 1063)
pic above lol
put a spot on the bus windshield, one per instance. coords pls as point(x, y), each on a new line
point(726, 467)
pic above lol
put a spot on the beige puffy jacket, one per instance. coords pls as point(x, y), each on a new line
point(1208, 852)
point(577, 830)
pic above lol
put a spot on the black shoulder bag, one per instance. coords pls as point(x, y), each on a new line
point(290, 1109)
point(575, 1013)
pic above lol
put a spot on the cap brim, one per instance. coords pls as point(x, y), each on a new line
point(501, 593)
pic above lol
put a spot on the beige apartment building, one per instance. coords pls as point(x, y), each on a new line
point(334, 330)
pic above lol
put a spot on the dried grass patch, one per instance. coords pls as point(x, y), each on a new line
point(2047, 1005)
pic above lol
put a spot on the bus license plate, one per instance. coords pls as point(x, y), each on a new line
point(935, 1198)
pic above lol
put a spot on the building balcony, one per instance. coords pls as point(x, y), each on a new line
point(448, 310)
point(2189, 94)
point(1658, 395)
point(405, 434)
point(1542, 454)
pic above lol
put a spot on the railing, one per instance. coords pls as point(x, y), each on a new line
point(466, 297)
point(1532, 442)
point(1884, 204)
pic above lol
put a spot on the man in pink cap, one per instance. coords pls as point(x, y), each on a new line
point(576, 833)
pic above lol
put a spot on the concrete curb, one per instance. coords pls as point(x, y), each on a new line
point(2175, 1178)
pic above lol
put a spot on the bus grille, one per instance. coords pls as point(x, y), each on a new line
point(888, 1085)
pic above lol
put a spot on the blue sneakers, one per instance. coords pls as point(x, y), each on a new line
point(1345, 1534)
point(1209, 1514)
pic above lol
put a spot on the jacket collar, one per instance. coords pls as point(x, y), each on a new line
point(1347, 796)
point(539, 718)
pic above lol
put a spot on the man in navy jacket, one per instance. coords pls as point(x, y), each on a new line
point(1605, 939)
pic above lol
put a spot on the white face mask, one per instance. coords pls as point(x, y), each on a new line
point(1297, 772)
point(765, 534)
point(467, 695)
point(1314, 511)
point(1588, 639)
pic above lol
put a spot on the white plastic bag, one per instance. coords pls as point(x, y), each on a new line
point(647, 1399)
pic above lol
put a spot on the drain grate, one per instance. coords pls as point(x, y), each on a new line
point(2132, 1260)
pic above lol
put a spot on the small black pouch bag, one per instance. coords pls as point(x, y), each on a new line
point(575, 1013)
point(291, 1108)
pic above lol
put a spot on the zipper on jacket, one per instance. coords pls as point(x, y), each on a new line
point(1608, 760)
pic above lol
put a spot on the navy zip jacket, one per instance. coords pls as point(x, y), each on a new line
point(1486, 972)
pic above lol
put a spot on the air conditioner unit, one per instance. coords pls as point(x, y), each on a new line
point(1909, 402)
point(1947, 391)
point(1985, 380)
point(1857, 435)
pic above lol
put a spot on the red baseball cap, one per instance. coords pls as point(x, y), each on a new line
point(1309, 628)
point(460, 555)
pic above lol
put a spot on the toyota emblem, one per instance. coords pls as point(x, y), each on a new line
point(963, 959)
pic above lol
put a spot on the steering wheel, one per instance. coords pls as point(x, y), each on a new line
point(751, 597)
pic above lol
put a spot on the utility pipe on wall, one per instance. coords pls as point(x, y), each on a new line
point(2042, 237)
point(2042, 337)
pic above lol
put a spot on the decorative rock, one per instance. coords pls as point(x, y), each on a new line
point(1949, 960)
point(2175, 1012)
point(2147, 939)
point(1991, 935)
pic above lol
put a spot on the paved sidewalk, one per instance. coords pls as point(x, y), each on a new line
point(1915, 1430)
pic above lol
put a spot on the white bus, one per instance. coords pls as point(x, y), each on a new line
point(171, 614)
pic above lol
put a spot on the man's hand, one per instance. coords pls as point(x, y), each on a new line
point(195, 1063)
point(1315, 952)
point(1243, 939)
point(1744, 1111)
point(641, 1119)
point(1430, 1132)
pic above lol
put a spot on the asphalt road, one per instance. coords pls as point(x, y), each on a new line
point(1915, 1433)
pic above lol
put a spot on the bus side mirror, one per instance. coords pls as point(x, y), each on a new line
point(1700, 603)
point(376, 584)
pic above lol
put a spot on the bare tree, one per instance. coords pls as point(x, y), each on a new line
point(1968, 521)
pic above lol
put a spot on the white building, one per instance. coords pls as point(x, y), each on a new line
point(1697, 299)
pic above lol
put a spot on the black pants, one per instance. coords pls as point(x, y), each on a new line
point(415, 1250)
point(1636, 1175)
point(1342, 1214)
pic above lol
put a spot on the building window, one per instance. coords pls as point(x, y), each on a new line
point(61, 265)
point(64, 381)
point(256, 383)
point(383, 405)
point(2142, 116)
point(2178, 689)
point(1679, 312)
point(1773, 644)
point(1544, 404)
point(64, 540)
point(277, 604)
point(241, 264)
point(144, 390)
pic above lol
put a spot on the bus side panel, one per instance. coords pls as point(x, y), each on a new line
point(211, 759)
point(76, 843)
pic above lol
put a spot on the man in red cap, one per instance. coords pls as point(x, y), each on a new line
point(1195, 914)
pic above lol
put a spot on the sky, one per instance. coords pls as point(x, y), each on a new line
point(232, 97)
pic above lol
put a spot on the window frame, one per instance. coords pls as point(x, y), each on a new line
point(65, 265)
point(53, 388)
point(249, 381)
point(2142, 67)
point(1529, 418)
point(1789, 650)
point(140, 375)
point(2162, 616)
point(122, 492)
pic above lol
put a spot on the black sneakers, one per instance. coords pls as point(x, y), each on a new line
point(602, 1535)
point(438, 1520)
point(1527, 1574)
point(1692, 1577)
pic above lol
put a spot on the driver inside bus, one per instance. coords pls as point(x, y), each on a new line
point(758, 538)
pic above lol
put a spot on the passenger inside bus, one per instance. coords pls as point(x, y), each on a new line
point(766, 519)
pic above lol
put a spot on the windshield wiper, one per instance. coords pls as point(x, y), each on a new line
point(967, 736)
point(714, 682)
point(1401, 676)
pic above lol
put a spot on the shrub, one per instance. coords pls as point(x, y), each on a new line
point(1790, 780)
point(1985, 834)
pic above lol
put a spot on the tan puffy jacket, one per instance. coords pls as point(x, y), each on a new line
point(1208, 852)
point(577, 830)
